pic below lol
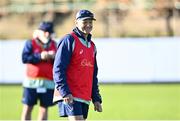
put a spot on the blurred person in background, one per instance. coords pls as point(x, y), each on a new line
point(38, 55)
point(75, 71)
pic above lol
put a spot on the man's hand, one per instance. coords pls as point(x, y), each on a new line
point(47, 55)
point(51, 54)
point(97, 106)
point(68, 98)
point(44, 55)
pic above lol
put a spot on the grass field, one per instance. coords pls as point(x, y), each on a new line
point(120, 102)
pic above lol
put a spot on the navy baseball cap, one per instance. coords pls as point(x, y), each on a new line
point(46, 26)
point(84, 14)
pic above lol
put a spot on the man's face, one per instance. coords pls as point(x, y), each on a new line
point(85, 26)
point(44, 36)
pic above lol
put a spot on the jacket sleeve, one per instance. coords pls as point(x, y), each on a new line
point(62, 59)
point(28, 56)
point(96, 97)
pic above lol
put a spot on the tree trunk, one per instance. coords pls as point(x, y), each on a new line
point(169, 28)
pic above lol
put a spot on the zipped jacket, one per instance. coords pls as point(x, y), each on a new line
point(31, 56)
point(62, 64)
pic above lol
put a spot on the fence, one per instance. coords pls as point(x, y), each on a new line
point(122, 60)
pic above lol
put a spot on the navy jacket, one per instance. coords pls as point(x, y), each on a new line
point(28, 56)
point(62, 59)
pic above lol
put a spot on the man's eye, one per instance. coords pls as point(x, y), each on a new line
point(84, 22)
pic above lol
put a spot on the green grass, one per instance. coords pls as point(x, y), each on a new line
point(120, 102)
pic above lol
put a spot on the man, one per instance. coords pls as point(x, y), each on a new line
point(75, 70)
point(38, 55)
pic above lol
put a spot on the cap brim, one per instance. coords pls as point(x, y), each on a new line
point(85, 18)
point(50, 31)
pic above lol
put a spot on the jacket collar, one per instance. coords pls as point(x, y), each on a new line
point(80, 34)
point(38, 41)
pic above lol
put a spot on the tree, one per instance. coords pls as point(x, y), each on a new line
point(165, 9)
point(115, 10)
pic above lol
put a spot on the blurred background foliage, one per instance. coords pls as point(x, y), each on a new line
point(115, 18)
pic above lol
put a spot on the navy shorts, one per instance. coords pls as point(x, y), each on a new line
point(30, 97)
point(73, 109)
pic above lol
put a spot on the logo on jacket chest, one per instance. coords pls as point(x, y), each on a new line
point(86, 63)
point(81, 52)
